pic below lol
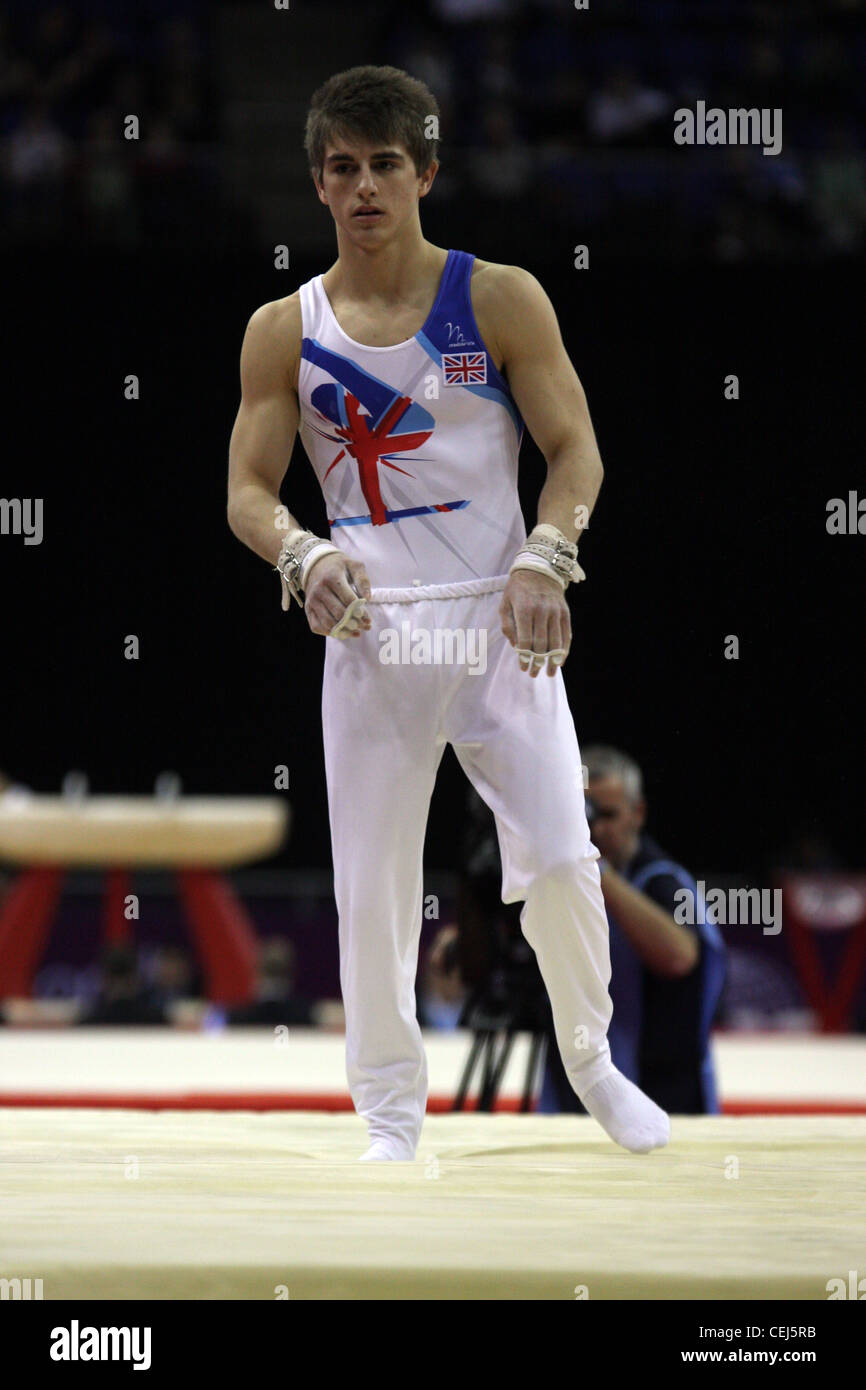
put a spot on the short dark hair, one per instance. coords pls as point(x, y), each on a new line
point(382, 105)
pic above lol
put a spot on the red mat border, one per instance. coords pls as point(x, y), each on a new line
point(332, 1101)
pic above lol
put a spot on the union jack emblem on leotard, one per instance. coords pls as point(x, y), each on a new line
point(375, 425)
point(464, 368)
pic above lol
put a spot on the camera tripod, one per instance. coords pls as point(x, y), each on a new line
point(512, 1001)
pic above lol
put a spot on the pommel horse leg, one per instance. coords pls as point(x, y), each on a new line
point(25, 920)
point(117, 889)
point(224, 935)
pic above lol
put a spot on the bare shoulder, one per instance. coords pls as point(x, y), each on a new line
point(273, 336)
point(492, 277)
point(503, 296)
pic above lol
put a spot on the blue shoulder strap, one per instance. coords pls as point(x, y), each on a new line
point(451, 329)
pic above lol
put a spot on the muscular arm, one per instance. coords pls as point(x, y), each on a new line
point(264, 432)
point(550, 398)
point(521, 326)
point(259, 452)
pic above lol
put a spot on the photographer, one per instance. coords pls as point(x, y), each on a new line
point(666, 979)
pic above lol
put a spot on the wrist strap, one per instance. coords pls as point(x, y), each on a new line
point(547, 551)
point(526, 560)
point(298, 553)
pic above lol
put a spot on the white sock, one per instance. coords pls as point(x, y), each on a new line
point(381, 1152)
point(629, 1117)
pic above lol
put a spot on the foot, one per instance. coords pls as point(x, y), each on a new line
point(380, 1151)
point(629, 1117)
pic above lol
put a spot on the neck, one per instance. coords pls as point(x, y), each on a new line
point(389, 272)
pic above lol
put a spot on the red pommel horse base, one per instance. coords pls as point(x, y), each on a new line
point(197, 837)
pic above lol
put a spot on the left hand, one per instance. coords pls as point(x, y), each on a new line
point(535, 617)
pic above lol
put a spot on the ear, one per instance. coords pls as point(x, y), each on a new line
point(427, 179)
point(640, 813)
point(322, 195)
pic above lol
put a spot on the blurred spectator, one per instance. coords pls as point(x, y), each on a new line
point(535, 73)
point(37, 157)
point(501, 165)
point(66, 85)
point(523, 89)
point(625, 111)
point(124, 996)
point(428, 58)
point(764, 212)
point(497, 72)
point(106, 182)
point(276, 1000)
point(173, 975)
point(37, 149)
point(762, 992)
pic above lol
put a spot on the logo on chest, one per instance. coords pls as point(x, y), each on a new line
point(455, 336)
point(464, 368)
point(375, 425)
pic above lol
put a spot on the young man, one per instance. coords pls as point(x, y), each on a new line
point(409, 371)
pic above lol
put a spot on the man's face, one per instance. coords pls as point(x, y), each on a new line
point(618, 821)
point(372, 190)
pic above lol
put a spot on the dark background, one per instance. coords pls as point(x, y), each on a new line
point(712, 517)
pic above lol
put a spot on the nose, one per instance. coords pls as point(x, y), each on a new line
point(366, 183)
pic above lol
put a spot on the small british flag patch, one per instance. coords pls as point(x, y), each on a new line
point(464, 368)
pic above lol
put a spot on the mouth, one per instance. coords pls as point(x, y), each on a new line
point(368, 214)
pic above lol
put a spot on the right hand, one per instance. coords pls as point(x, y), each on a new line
point(329, 592)
point(535, 618)
point(444, 978)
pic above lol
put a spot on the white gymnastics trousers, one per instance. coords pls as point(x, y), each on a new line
point(386, 721)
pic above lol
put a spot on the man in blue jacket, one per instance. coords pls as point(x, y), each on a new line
point(666, 978)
